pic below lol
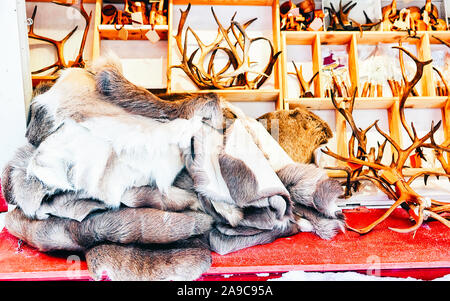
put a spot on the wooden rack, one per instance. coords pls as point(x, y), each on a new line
point(391, 104)
point(278, 93)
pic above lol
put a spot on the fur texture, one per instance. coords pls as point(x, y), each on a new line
point(155, 258)
point(299, 132)
point(116, 172)
point(183, 261)
point(314, 196)
point(115, 149)
point(116, 89)
point(123, 226)
point(20, 188)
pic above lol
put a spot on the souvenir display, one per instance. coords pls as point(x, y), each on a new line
point(303, 16)
point(135, 12)
point(366, 165)
point(236, 73)
point(412, 18)
point(143, 154)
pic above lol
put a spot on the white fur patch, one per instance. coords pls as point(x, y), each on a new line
point(104, 156)
point(305, 225)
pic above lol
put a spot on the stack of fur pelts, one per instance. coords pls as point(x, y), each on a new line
point(147, 187)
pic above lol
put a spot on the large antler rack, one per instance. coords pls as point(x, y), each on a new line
point(59, 44)
point(223, 79)
point(367, 165)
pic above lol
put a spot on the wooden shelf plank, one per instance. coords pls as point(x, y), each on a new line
point(375, 37)
point(443, 35)
point(67, 1)
point(225, 2)
point(300, 37)
point(241, 95)
point(326, 104)
point(407, 172)
point(335, 38)
point(368, 103)
point(426, 102)
point(109, 32)
point(36, 79)
point(367, 37)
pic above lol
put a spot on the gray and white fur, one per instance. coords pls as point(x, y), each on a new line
point(99, 130)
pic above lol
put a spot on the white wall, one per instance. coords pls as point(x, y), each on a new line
point(15, 78)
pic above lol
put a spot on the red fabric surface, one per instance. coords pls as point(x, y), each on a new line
point(381, 248)
point(428, 248)
point(3, 204)
point(22, 262)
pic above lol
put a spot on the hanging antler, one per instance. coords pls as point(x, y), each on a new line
point(305, 90)
point(223, 79)
point(390, 178)
point(79, 61)
point(408, 86)
point(59, 45)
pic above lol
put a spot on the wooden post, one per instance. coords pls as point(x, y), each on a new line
point(424, 54)
point(279, 105)
point(317, 67)
point(283, 79)
point(395, 124)
point(97, 21)
point(353, 67)
point(169, 45)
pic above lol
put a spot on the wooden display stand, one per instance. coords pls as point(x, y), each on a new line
point(281, 40)
point(428, 99)
point(429, 249)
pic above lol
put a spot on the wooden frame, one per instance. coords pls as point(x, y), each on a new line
point(234, 95)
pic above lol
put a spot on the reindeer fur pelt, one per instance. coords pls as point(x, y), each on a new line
point(147, 187)
point(299, 132)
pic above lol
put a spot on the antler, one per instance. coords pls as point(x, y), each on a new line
point(344, 11)
point(390, 178)
point(79, 61)
point(59, 45)
point(305, 90)
point(408, 86)
point(209, 79)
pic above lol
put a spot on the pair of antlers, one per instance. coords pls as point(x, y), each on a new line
point(304, 85)
point(366, 165)
point(339, 19)
point(59, 44)
point(209, 78)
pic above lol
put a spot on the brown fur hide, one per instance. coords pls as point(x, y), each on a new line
point(299, 132)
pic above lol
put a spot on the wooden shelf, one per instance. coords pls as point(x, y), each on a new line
point(407, 172)
point(240, 95)
point(226, 2)
point(281, 40)
point(326, 104)
point(366, 37)
point(36, 79)
point(444, 35)
point(374, 37)
point(236, 95)
point(371, 103)
point(67, 1)
point(111, 32)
